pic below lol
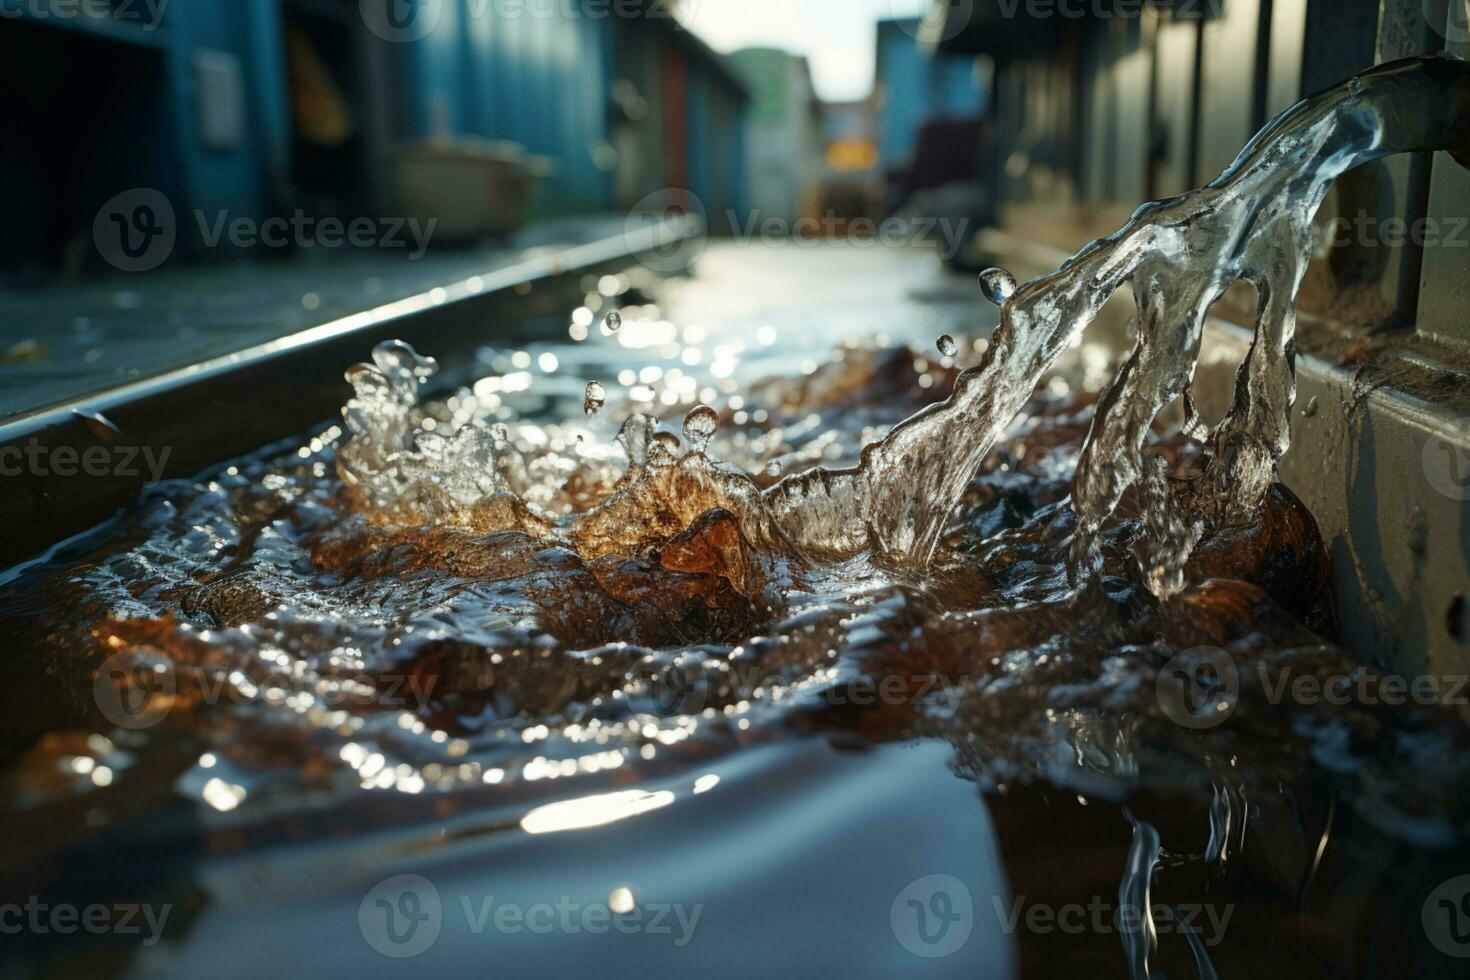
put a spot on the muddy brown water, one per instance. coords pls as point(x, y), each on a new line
point(273, 730)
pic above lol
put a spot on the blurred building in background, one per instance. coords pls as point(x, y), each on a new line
point(1093, 115)
point(851, 185)
point(916, 85)
point(346, 108)
point(919, 129)
point(784, 134)
point(930, 108)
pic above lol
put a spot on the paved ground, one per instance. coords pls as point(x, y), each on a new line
point(815, 294)
point(62, 342)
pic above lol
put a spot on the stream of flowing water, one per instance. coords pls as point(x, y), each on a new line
point(425, 638)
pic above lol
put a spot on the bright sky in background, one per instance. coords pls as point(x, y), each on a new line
point(837, 35)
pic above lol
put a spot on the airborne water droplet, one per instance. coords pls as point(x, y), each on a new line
point(614, 321)
point(395, 358)
point(621, 901)
point(947, 346)
point(102, 427)
point(635, 435)
point(773, 468)
point(595, 398)
point(998, 285)
point(699, 426)
point(663, 448)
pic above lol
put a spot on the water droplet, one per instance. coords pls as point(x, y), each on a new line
point(699, 426)
point(663, 449)
point(594, 398)
point(621, 901)
point(368, 382)
point(998, 285)
point(614, 321)
point(773, 468)
point(102, 427)
point(635, 435)
point(1311, 408)
point(398, 359)
point(947, 346)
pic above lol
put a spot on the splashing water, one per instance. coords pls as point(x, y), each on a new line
point(1254, 222)
point(593, 398)
point(998, 286)
point(700, 426)
point(1140, 934)
point(571, 628)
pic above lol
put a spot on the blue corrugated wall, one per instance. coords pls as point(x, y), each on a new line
point(918, 86)
point(545, 82)
point(537, 80)
point(542, 79)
